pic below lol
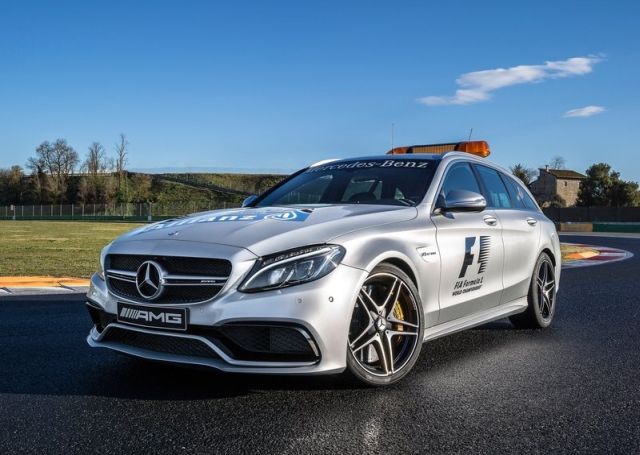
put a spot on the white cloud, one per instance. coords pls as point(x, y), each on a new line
point(586, 111)
point(478, 85)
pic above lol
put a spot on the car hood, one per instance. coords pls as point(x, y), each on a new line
point(269, 230)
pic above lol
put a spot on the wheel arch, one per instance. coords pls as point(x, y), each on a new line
point(551, 255)
point(400, 260)
point(402, 265)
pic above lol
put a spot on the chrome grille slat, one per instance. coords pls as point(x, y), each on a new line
point(183, 279)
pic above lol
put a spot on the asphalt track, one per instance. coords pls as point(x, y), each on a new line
point(572, 388)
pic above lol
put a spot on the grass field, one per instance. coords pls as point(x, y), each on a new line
point(54, 248)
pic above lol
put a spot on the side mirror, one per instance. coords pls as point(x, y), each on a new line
point(462, 201)
point(249, 200)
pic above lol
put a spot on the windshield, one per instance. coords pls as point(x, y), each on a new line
point(381, 181)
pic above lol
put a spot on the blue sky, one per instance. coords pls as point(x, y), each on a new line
point(278, 85)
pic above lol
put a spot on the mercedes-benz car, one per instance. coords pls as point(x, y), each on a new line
point(345, 266)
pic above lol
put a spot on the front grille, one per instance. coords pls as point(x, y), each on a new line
point(192, 279)
point(175, 265)
point(173, 294)
point(160, 343)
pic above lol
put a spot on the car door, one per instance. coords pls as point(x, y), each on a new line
point(470, 249)
point(521, 237)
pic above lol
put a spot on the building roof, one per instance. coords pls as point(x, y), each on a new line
point(565, 174)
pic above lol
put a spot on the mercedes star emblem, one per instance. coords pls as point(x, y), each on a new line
point(149, 279)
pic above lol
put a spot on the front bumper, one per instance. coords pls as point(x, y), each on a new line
point(317, 313)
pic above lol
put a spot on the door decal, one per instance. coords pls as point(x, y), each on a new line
point(463, 285)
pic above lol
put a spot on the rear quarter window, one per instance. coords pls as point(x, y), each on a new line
point(497, 193)
point(518, 194)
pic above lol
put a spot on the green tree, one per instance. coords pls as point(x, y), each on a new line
point(523, 173)
point(140, 187)
point(557, 201)
point(12, 185)
point(604, 187)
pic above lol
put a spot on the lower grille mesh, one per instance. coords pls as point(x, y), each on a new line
point(264, 342)
point(160, 343)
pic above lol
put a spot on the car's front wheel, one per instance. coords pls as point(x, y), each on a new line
point(541, 297)
point(386, 330)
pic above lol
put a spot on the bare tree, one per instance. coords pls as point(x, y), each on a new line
point(557, 162)
point(96, 161)
point(58, 161)
point(95, 165)
point(121, 161)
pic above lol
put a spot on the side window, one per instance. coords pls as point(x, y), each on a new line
point(530, 203)
point(459, 177)
point(521, 194)
point(498, 196)
point(515, 191)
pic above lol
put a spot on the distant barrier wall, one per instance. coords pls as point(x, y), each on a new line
point(594, 214)
point(108, 212)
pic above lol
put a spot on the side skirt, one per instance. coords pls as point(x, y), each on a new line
point(476, 319)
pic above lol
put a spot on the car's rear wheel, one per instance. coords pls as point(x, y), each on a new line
point(541, 297)
point(386, 330)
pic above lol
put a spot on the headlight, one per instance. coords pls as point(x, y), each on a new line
point(103, 254)
point(293, 267)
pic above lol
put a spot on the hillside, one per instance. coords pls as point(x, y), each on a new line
point(188, 189)
point(233, 184)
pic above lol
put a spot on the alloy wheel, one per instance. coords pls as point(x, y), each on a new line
point(546, 289)
point(384, 330)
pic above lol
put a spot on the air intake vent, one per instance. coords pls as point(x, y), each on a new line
point(160, 343)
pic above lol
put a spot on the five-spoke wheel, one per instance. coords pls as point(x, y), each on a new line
point(541, 298)
point(386, 330)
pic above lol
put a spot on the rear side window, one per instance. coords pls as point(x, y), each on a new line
point(497, 194)
point(520, 197)
point(459, 177)
point(515, 191)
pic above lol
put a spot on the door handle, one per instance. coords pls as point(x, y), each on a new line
point(490, 220)
point(532, 221)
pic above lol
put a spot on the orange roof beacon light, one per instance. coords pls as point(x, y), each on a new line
point(478, 148)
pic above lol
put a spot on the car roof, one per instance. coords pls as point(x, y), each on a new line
point(408, 156)
point(434, 157)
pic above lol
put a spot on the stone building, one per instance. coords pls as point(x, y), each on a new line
point(557, 185)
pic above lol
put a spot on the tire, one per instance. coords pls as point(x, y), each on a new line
point(541, 298)
point(386, 330)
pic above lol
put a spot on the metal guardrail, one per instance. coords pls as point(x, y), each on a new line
point(109, 212)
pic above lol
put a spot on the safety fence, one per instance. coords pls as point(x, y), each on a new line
point(110, 212)
point(593, 214)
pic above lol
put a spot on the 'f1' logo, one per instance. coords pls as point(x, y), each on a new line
point(483, 255)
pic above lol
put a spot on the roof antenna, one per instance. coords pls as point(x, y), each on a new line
point(470, 133)
point(392, 131)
